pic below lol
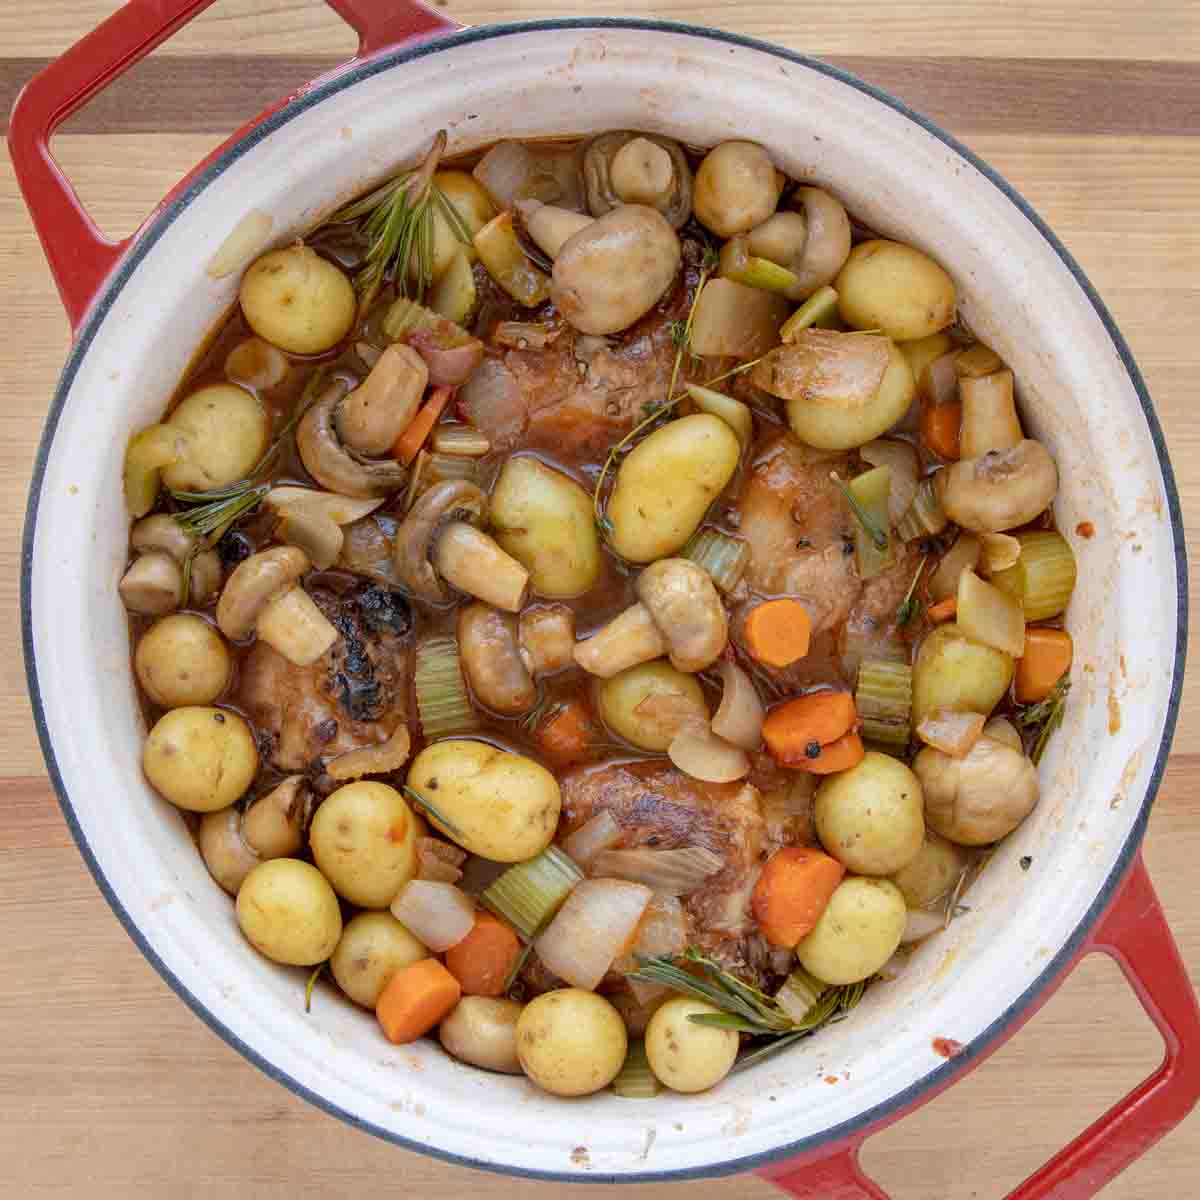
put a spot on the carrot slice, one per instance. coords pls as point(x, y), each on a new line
point(416, 999)
point(778, 631)
point(418, 429)
point(792, 892)
point(795, 732)
point(940, 427)
point(1047, 658)
point(943, 610)
point(846, 752)
point(566, 737)
point(482, 960)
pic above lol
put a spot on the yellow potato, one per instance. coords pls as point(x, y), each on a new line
point(182, 659)
point(953, 671)
point(482, 1031)
point(857, 933)
point(364, 839)
point(890, 286)
point(932, 873)
point(685, 1056)
point(617, 700)
point(871, 817)
point(502, 806)
point(544, 520)
point(288, 912)
point(201, 759)
point(571, 1042)
point(667, 483)
point(225, 432)
point(830, 428)
point(372, 948)
point(297, 300)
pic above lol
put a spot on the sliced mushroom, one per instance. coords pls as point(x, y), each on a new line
point(228, 858)
point(313, 520)
point(546, 635)
point(491, 657)
point(162, 534)
point(1000, 490)
point(827, 245)
point(679, 613)
point(613, 271)
point(332, 464)
point(623, 167)
point(153, 585)
point(264, 596)
point(438, 541)
point(376, 413)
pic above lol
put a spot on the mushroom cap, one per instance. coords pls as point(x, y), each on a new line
point(597, 175)
point(827, 245)
point(331, 464)
point(684, 604)
point(454, 499)
point(999, 490)
point(253, 584)
point(491, 657)
point(161, 532)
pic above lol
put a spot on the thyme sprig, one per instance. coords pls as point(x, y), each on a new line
point(1039, 721)
point(909, 606)
point(869, 524)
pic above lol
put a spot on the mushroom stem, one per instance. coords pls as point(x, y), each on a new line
point(549, 226)
point(642, 172)
point(153, 584)
point(630, 638)
point(472, 562)
point(292, 624)
point(989, 414)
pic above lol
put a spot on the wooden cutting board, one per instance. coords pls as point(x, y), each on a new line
point(109, 1087)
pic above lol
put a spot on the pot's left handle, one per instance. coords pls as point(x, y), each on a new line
point(80, 256)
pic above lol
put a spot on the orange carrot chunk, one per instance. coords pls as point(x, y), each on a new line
point(416, 999)
point(566, 736)
point(943, 610)
point(940, 427)
point(777, 632)
point(795, 732)
point(1047, 658)
point(792, 892)
point(841, 755)
point(482, 960)
point(418, 429)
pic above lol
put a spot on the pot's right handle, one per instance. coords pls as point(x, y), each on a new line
point(1135, 934)
point(80, 256)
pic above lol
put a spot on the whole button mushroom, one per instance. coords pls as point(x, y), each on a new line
point(622, 167)
point(679, 613)
point(1000, 490)
point(737, 188)
point(154, 583)
point(439, 544)
point(264, 596)
point(613, 271)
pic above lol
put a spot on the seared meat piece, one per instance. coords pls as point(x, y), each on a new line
point(660, 807)
point(875, 609)
point(354, 695)
point(800, 529)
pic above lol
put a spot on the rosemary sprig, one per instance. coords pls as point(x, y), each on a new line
point(953, 908)
point(425, 806)
point(864, 518)
point(216, 516)
point(542, 710)
point(908, 607)
point(1040, 720)
point(515, 969)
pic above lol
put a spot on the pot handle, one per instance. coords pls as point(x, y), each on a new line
point(1135, 934)
point(80, 256)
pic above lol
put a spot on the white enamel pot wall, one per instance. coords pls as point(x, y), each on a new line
point(141, 309)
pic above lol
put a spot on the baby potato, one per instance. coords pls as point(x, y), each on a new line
point(871, 817)
point(830, 428)
point(571, 1042)
point(685, 1056)
point(482, 1031)
point(932, 873)
point(297, 300)
point(736, 188)
point(665, 486)
point(544, 520)
point(364, 839)
point(288, 912)
point(953, 671)
point(503, 806)
point(890, 286)
point(181, 660)
point(857, 933)
point(226, 430)
point(200, 758)
point(617, 700)
point(372, 948)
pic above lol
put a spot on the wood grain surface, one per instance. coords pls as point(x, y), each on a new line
point(109, 1087)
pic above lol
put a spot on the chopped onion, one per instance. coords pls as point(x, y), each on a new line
point(951, 730)
point(663, 929)
point(591, 929)
point(668, 872)
point(437, 914)
point(1000, 551)
point(704, 756)
point(438, 860)
point(599, 832)
point(962, 556)
point(902, 458)
point(833, 370)
point(244, 241)
point(740, 715)
point(990, 615)
point(941, 380)
point(730, 319)
point(921, 923)
point(672, 712)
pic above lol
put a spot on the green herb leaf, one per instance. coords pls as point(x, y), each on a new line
point(870, 528)
point(1040, 720)
point(425, 806)
point(312, 983)
point(910, 606)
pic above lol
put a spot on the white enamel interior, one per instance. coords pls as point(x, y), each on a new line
point(1016, 293)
